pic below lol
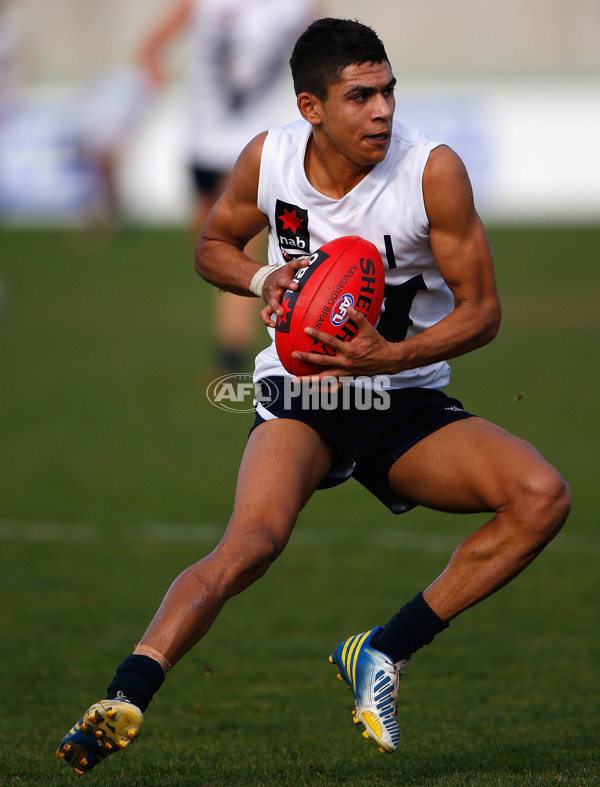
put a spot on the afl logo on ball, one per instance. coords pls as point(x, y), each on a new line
point(339, 313)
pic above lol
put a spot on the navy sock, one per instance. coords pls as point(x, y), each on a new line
point(414, 626)
point(138, 678)
point(232, 361)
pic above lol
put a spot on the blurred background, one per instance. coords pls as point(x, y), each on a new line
point(514, 87)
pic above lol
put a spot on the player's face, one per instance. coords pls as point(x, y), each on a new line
point(356, 116)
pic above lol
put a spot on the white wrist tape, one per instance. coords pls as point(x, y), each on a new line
point(256, 285)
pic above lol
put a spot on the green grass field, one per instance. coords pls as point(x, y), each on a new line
point(116, 473)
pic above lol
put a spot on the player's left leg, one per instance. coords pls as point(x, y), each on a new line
point(475, 466)
point(467, 466)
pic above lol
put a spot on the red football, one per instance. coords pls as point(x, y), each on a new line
point(345, 272)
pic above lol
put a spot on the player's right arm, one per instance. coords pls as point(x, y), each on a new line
point(235, 219)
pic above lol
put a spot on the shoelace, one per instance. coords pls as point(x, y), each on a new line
point(398, 669)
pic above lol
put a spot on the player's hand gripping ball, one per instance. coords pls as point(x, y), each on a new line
point(346, 272)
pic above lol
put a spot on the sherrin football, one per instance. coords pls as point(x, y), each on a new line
point(345, 272)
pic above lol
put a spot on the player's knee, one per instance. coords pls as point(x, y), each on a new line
point(546, 501)
point(264, 548)
point(249, 558)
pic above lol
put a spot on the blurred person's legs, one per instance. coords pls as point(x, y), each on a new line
point(235, 318)
point(105, 112)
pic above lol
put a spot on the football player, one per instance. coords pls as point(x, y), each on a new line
point(348, 167)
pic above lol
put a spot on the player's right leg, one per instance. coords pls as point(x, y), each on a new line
point(283, 464)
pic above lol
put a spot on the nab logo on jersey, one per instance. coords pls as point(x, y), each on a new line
point(291, 223)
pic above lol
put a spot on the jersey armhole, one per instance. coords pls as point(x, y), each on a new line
point(264, 176)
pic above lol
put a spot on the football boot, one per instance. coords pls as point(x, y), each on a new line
point(373, 678)
point(106, 727)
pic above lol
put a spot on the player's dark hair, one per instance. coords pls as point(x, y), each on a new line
point(326, 48)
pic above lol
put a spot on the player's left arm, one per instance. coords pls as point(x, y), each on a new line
point(462, 252)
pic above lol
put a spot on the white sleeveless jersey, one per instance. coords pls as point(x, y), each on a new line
point(239, 77)
point(386, 208)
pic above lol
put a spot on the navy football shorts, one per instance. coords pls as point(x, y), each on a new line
point(366, 441)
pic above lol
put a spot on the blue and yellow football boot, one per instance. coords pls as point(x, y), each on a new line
point(106, 727)
point(373, 678)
